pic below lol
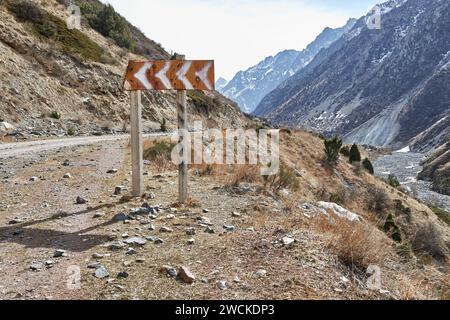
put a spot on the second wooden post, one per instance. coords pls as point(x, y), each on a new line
point(182, 125)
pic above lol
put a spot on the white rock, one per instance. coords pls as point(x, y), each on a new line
point(6, 127)
point(339, 211)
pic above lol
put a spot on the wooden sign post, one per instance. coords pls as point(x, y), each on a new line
point(180, 75)
point(137, 156)
point(182, 125)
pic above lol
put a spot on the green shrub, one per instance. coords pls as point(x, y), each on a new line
point(345, 151)
point(105, 20)
point(26, 11)
point(393, 181)
point(391, 228)
point(354, 156)
point(368, 166)
point(442, 214)
point(332, 148)
point(55, 115)
point(71, 131)
point(159, 149)
point(286, 178)
point(51, 27)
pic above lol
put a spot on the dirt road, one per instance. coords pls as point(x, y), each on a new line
point(19, 148)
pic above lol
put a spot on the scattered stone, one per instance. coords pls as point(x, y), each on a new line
point(116, 245)
point(37, 266)
point(101, 273)
point(205, 280)
point(140, 260)
point(190, 231)
point(94, 265)
point(229, 228)
point(112, 171)
point(80, 200)
point(122, 275)
point(66, 163)
point(59, 253)
point(209, 230)
point(120, 217)
point(98, 256)
point(287, 240)
point(125, 235)
point(16, 221)
point(261, 273)
point(170, 216)
point(236, 279)
point(49, 264)
point(205, 210)
point(34, 179)
point(158, 241)
point(119, 189)
point(251, 229)
point(17, 232)
point(186, 275)
point(67, 176)
point(131, 251)
point(191, 241)
point(127, 263)
point(135, 240)
point(151, 227)
point(235, 214)
point(99, 214)
point(165, 230)
point(169, 270)
point(222, 285)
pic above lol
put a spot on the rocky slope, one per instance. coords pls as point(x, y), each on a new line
point(437, 169)
point(248, 87)
point(72, 83)
point(381, 87)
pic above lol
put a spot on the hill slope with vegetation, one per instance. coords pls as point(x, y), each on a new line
point(58, 81)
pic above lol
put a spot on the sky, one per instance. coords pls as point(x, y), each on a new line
point(237, 34)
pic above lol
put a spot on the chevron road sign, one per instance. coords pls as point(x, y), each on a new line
point(180, 75)
point(170, 75)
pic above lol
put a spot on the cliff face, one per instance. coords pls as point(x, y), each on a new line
point(54, 79)
point(437, 169)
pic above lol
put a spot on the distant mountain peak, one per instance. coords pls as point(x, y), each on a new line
point(249, 87)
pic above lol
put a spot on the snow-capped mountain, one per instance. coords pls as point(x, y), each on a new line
point(248, 87)
point(376, 86)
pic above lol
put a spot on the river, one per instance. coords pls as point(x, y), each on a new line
point(405, 166)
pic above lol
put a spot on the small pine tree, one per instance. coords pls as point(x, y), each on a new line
point(368, 165)
point(332, 148)
point(355, 156)
point(345, 151)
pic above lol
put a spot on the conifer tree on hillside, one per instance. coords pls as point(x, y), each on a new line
point(355, 156)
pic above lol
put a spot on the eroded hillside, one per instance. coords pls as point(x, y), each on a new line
point(57, 81)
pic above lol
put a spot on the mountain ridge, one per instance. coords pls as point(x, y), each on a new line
point(248, 87)
point(371, 85)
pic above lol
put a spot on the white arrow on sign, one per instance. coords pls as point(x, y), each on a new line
point(203, 75)
point(162, 75)
point(141, 75)
point(181, 74)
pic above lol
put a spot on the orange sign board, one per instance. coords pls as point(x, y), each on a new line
point(170, 75)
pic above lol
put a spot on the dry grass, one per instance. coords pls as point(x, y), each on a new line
point(356, 245)
point(428, 240)
point(243, 173)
